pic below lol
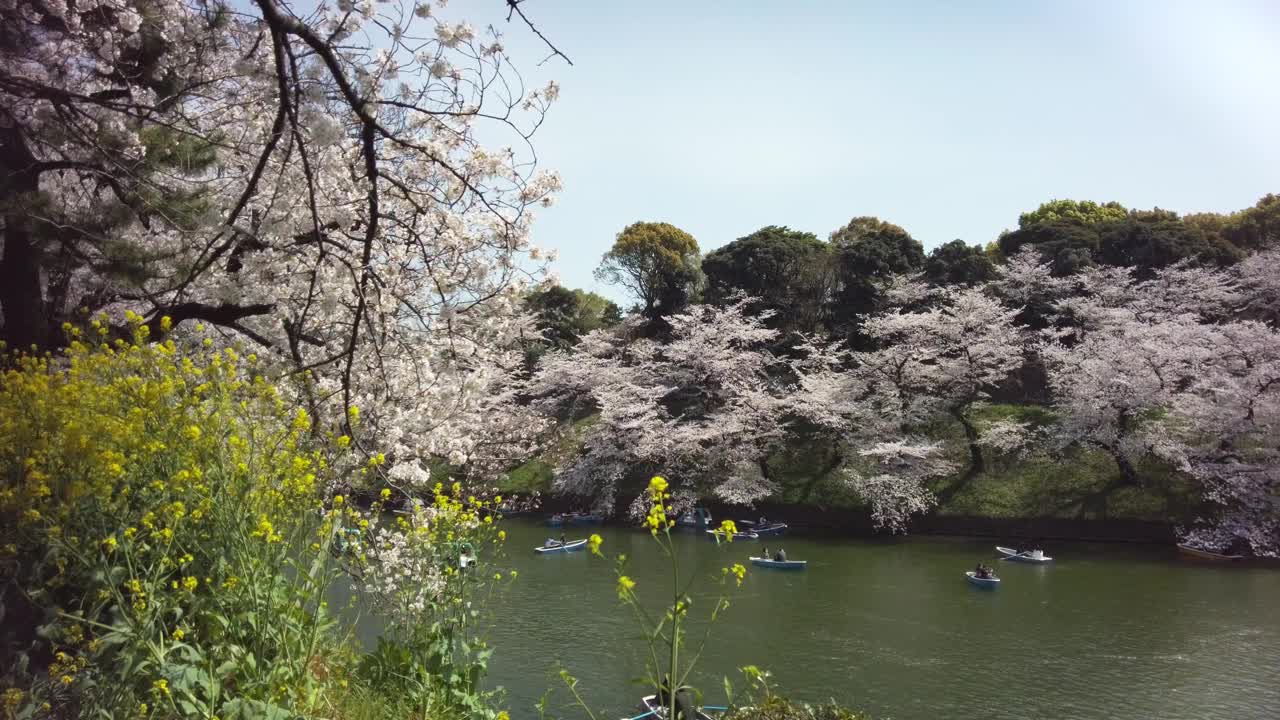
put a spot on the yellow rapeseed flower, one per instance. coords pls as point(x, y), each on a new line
point(594, 542)
point(12, 700)
point(625, 586)
point(657, 486)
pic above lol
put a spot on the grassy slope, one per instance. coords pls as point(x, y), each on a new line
point(1077, 484)
point(537, 473)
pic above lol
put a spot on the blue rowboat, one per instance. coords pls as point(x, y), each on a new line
point(696, 518)
point(654, 710)
point(1028, 556)
point(584, 519)
point(990, 583)
point(780, 564)
point(769, 529)
point(718, 535)
point(571, 546)
point(555, 521)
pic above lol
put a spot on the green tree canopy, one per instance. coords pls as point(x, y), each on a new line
point(870, 251)
point(656, 263)
point(1150, 240)
point(1141, 239)
point(792, 272)
point(563, 315)
point(1084, 212)
point(956, 263)
point(1066, 245)
point(1256, 228)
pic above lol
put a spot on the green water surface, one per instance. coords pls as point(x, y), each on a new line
point(892, 628)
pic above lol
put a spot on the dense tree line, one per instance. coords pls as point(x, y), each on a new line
point(1149, 337)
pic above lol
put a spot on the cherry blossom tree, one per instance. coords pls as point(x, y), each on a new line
point(706, 407)
point(942, 359)
point(306, 180)
point(1168, 368)
point(712, 404)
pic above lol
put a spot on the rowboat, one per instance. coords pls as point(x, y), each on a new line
point(574, 518)
point(1207, 554)
point(1028, 556)
point(695, 518)
point(654, 709)
point(780, 564)
point(988, 583)
point(720, 535)
point(769, 529)
point(570, 546)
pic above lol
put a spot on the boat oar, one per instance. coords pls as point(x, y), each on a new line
point(642, 715)
point(1015, 555)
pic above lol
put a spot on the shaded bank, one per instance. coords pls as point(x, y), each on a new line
point(855, 522)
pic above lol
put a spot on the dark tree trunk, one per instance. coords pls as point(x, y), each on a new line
point(26, 320)
point(1127, 470)
point(976, 462)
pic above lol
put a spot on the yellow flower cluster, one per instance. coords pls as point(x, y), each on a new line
point(726, 531)
point(125, 475)
point(594, 543)
point(12, 701)
point(657, 520)
point(625, 586)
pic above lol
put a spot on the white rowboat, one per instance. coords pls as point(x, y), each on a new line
point(1028, 556)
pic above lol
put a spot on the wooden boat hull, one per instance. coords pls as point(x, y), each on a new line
point(780, 564)
point(1207, 554)
point(1012, 555)
point(984, 583)
point(571, 546)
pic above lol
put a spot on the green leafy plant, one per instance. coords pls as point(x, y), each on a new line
point(672, 656)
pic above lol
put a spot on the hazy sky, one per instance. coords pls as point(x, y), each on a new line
point(946, 118)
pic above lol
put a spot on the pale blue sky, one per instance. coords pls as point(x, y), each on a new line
point(946, 118)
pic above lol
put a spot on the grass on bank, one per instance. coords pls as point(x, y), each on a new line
point(1078, 483)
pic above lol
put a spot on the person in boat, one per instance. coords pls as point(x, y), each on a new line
point(982, 572)
point(552, 542)
point(761, 522)
point(765, 553)
point(781, 556)
point(686, 704)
